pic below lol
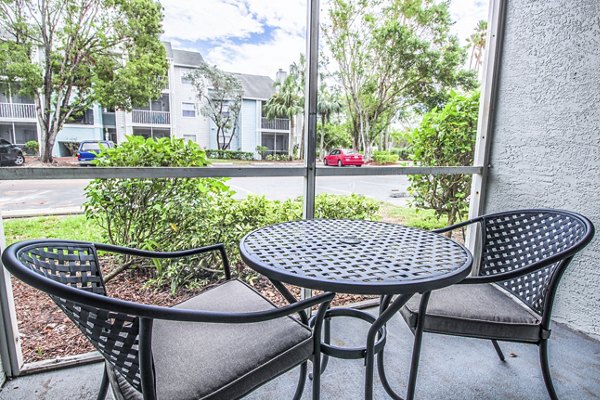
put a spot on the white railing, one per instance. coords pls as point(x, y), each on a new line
point(277, 124)
point(17, 111)
point(151, 117)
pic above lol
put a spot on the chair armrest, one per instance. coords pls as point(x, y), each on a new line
point(459, 225)
point(220, 247)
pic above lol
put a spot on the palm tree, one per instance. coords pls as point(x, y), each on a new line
point(286, 103)
point(327, 105)
point(477, 43)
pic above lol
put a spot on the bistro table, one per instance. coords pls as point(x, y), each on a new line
point(358, 257)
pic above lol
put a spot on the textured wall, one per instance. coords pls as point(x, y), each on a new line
point(546, 139)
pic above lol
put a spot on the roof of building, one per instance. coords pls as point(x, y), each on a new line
point(184, 57)
point(256, 86)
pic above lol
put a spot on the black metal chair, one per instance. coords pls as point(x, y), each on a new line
point(523, 256)
point(221, 344)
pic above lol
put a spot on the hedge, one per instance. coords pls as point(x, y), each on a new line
point(230, 155)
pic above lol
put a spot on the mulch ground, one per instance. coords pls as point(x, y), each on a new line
point(46, 332)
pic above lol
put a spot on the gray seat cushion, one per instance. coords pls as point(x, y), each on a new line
point(223, 361)
point(481, 311)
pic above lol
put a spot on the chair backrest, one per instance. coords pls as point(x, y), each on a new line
point(114, 335)
point(546, 239)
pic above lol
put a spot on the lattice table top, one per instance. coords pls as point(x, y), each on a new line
point(361, 257)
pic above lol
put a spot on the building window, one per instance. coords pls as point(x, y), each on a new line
point(184, 77)
point(188, 110)
point(189, 138)
point(150, 132)
point(81, 117)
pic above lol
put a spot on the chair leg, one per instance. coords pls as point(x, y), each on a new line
point(416, 353)
point(316, 389)
point(498, 350)
point(301, 381)
point(103, 386)
point(546, 369)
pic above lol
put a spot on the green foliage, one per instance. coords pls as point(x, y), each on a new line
point(385, 157)
point(334, 135)
point(72, 145)
point(403, 153)
point(32, 147)
point(262, 150)
point(279, 157)
point(103, 51)
point(220, 94)
point(153, 213)
point(392, 56)
point(230, 155)
point(73, 227)
point(446, 137)
point(170, 214)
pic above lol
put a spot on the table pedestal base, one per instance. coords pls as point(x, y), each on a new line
point(348, 353)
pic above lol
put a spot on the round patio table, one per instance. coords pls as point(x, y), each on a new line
point(359, 257)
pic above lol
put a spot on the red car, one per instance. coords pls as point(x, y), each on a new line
point(342, 157)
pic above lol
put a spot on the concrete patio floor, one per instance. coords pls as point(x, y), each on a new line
point(451, 368)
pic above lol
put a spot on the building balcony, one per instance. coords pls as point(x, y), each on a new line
point(17, 111)
point(277, 124)
point(145, 117)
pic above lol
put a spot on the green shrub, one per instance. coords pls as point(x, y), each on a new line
point(153, 213)
point(279, 157)
point(169, 214)
point(385, 157)
point(32, 147)
point(445, 137)
point(230, 155)
point(403, 153)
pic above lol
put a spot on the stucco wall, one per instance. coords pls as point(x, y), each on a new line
point(546, 136)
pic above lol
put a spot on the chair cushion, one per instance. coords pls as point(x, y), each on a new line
point(480, 310)
point(223, 361)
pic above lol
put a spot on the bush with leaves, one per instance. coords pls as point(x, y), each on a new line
point(445, 137)
point(32, 148)
point(385, 157)
point(168, 214)
point(152, 213)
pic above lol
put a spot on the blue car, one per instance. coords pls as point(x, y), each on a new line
point(89, 149)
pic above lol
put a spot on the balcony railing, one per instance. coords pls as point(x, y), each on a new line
point(17, 111)
point(277, 124)
point(145, 117)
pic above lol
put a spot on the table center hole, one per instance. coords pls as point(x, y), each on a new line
point(350, 240)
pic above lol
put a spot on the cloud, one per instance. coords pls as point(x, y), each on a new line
point(261, 36)
point(230, 19)
point(259, 58)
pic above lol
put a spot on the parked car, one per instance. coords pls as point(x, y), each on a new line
point(89, 149)
point(343, 157)
point(10, 154)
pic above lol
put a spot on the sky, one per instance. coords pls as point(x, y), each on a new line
point(261, 36)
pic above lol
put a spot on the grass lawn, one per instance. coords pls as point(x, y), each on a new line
point(413, 217)
point(77, 227)
point(74, 227)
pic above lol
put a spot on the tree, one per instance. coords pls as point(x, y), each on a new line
point(220, 94)
point(328, 105)
point(286, 103)
point(393, 55)
point(445, 137)
point(69, 54)
point(477, 43)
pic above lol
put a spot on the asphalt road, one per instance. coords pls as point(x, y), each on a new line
point(62, 194)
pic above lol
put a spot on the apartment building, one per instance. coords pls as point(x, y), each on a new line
point(174, 114)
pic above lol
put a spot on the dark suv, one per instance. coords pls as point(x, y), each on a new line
point(10, 154)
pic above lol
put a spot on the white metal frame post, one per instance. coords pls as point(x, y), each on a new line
point(10, 348)
point(495, 34)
